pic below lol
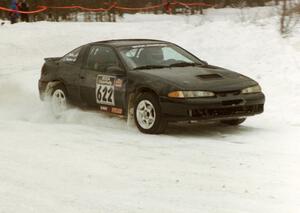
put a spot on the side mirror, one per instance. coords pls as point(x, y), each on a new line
point(115, 70)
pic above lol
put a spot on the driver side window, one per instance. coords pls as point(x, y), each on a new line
point(100, 58)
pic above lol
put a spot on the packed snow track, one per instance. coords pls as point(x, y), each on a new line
point(90, 162)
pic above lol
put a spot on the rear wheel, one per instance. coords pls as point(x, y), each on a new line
point(234, 122)
point(59, 102)
point(147, 114)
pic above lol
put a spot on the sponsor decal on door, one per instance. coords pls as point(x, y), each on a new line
point(117, 110)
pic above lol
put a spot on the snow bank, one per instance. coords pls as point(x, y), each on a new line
point(87, 161)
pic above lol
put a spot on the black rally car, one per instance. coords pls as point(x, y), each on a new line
point(155, 81)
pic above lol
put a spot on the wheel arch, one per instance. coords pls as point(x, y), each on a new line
point(146, 89)
point(51, 85)
point(132, 96)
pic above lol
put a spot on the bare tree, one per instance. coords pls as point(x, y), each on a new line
point(289, 16)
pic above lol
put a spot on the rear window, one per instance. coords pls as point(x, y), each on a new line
point(72, 56)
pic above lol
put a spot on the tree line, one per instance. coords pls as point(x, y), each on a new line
point(61, 14)
point(131, 3)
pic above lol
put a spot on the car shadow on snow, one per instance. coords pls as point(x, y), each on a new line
point(211, 130)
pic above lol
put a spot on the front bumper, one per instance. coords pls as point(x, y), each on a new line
point(216, 108)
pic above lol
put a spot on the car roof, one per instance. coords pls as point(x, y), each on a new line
point(129, 42)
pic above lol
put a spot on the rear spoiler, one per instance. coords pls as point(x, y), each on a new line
point(53, 59)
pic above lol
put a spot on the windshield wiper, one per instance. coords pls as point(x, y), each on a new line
point(150, 67)
point(185, 64)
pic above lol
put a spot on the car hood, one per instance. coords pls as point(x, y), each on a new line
point(199, 78)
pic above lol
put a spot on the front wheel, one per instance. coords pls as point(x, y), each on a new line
point(147, 114)
point(234, 122)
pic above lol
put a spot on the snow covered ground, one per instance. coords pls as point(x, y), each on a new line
point(90, 162)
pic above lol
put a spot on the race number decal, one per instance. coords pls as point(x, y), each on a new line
point(105, 90)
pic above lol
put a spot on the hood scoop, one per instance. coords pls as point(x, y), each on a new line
point(209, 76)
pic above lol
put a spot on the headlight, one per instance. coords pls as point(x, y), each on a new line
point(254, 89)
point(190, 94)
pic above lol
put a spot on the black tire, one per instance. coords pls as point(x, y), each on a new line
point(234, 122)
point(159, 125)
point(59, 90)
point(58, 86)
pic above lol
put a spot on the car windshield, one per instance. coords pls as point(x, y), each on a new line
point(151, 56)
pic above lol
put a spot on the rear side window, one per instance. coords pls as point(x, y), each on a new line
point(72, 56)
point(101, 57)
